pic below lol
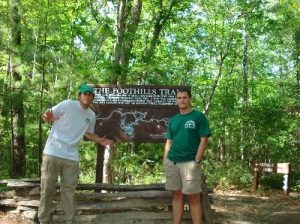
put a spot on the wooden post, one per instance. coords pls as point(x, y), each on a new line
point(207, 216)
point(281, 168)
point(284, 168)
point(255, 180)
point(99, 165)
point(256, 176)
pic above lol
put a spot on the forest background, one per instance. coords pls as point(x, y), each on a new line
point(241, 58)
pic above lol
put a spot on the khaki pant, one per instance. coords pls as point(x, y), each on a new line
point(68, 169)
point(183, 176)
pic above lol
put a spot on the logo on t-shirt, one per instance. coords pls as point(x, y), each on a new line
point(87, 121)
point(190, 124)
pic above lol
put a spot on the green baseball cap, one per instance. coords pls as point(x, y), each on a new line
point(85, 88)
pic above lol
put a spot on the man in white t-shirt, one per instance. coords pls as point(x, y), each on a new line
point(72, 120)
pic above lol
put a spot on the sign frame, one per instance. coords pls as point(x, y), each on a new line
point(134, 113)
point(276, 168)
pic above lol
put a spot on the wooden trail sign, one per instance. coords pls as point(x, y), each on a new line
point(134, 113)
point(280, 168)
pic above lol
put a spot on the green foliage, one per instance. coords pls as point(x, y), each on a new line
point(3, 188)
point(88, 158)
point(138, 164)
point(225, 175)
point(271, 180)
point(64, 44)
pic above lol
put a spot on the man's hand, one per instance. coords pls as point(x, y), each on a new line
point(167, 148)
point(102, 141)
point(105, 142)
point(48, 116)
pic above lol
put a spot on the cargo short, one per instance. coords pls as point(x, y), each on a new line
point(183, 176)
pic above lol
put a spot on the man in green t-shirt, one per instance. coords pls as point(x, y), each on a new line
point(187, 137)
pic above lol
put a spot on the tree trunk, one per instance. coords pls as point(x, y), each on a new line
point(16, 99)
point(42, 90)
point(221, 56)
point(297, 59)
point(131, 29)
point(245, 88)
point(128, 18)
point(162, 17)
point(212, 93)
point(245, 67)
point(222, 146)
point(119, 40)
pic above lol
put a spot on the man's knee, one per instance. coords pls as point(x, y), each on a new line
point(194, 199)
point(177, 195)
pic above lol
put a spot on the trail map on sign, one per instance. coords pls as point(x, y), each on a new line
point(134, 113)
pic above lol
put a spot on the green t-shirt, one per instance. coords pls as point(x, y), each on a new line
point(185, 131)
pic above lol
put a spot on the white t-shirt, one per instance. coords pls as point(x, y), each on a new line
point(68, 130)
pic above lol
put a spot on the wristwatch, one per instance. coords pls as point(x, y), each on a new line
point(197, 160)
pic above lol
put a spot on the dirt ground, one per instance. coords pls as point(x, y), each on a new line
point(235, 207)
